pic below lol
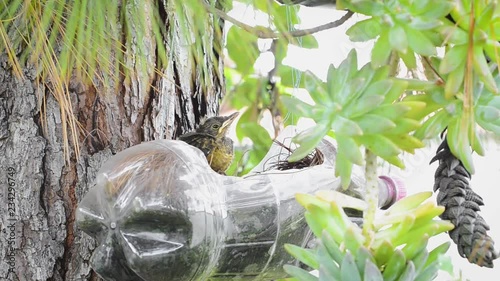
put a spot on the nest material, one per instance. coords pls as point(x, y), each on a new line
point(312, 159)
point(462, 206)
point(316, 157)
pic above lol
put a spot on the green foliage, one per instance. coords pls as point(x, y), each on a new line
point(250, 96)
point(371, 108)
point(102, 43)
point(397, 252)
point(408, 27)
point(242, 49)
point(361, 108)
point(477, 39)
point(253, 93)
point(488, 109)
point(401, 26)
point(450, 113)
point(88, 33)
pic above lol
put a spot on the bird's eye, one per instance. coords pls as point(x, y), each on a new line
point(215, 126)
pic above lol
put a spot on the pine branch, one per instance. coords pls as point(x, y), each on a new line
point(267, 33)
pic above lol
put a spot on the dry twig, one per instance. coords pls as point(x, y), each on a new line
point(267, 33)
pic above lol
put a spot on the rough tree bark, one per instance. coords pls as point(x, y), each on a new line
point(39, 239)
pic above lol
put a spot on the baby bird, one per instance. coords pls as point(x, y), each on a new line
point(211, 139)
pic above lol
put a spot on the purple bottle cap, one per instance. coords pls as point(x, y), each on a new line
point(396, 189)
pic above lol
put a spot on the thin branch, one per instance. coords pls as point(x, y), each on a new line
point(273, 91)
point(330, 25)
point(267, 33)
point(434, 71)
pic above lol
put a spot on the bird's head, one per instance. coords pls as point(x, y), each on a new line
point(217, 126)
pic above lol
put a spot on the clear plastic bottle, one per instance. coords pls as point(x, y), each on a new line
point(158, 212)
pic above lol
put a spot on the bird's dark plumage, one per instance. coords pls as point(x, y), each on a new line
point(211, 139)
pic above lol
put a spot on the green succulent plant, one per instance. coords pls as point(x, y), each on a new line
point(358, 108)
point(398, 250)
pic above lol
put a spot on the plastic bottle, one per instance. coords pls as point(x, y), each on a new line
point(158, 212)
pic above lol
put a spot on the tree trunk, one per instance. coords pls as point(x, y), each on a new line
point(41, 190)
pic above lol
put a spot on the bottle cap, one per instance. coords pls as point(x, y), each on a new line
point(396, 189)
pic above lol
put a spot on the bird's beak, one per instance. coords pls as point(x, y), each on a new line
point(229, 120)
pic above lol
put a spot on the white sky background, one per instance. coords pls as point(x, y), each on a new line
point(334, 46)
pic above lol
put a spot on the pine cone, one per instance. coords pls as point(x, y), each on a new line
point(462, 209)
